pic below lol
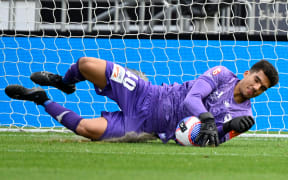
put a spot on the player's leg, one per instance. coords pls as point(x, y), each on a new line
point(93, 70)
point(86, 68)
point(45, 78)
point(90, 128)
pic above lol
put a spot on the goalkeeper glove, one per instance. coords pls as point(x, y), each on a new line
point(239, 124)
point(208, 132)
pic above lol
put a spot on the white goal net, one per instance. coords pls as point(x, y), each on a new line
point(170, 41)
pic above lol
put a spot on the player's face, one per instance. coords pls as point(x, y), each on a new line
point(253, 84)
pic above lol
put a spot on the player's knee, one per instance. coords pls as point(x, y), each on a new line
point(84, 63)
point(89, 64)
point(91, 129)
point(80, 130)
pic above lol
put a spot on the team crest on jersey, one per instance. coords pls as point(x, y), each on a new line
point(118, 73)
point(216, 71)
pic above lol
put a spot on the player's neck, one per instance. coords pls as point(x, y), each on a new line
point(238, 97)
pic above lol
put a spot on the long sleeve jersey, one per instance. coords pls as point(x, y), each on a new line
point(212, 92)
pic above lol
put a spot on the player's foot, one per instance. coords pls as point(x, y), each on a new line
point(37, 95)
point(44, 78)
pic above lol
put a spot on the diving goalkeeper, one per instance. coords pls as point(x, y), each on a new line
point(218, 98)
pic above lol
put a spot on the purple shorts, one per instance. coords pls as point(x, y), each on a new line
point(132, 95)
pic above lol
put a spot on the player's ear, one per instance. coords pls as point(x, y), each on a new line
point(246, 73)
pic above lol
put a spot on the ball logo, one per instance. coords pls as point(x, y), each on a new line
point(216, 71)
point(182, 126)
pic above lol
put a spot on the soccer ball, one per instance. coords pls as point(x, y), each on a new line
point(187, 131)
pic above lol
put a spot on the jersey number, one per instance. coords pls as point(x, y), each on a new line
point(129, 83)
point(124, 77)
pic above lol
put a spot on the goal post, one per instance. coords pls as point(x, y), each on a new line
point(170, 41)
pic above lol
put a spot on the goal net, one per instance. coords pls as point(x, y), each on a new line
point(170, 41)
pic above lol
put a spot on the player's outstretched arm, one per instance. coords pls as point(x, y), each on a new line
point(208, 134)
point(239, 124)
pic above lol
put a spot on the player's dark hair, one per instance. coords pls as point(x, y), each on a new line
point(268, 69)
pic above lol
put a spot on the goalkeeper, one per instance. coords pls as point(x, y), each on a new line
point(218, 98)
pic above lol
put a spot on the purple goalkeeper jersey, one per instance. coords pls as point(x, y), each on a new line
point(211, 92)
point(158, 109)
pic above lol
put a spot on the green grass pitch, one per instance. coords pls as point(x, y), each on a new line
point(66, 156)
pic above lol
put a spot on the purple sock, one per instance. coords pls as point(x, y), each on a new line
point(73, 75)
point(63, 115)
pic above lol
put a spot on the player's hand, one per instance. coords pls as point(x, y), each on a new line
point(240, 124)
point(208, 134)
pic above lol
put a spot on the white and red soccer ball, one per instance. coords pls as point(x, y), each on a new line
point(187, 131)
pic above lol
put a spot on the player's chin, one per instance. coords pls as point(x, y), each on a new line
point(248, 96)
point(253, 96)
